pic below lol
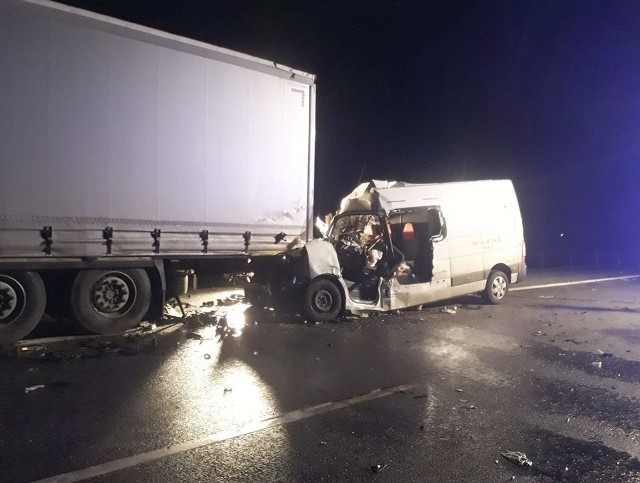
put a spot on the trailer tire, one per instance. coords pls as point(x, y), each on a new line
point(108, 301)
point(322, 301)
point(22, 301)
point(497, 287)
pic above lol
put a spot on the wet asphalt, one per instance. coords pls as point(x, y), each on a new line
point(552, 372)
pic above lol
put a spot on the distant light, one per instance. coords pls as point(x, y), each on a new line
point(561, 235)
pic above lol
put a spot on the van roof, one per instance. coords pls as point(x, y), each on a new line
point(383, 196)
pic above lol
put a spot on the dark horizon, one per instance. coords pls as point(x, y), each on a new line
point(541, 93)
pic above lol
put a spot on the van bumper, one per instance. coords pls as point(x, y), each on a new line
point(522, 273)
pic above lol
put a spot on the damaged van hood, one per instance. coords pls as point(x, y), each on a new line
point(381, 196)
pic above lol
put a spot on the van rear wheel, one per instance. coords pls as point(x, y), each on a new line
point(322, 301)
point(497, 287)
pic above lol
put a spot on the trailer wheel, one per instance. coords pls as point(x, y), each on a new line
point(497, 287)
point(107, 301)
point(22, 302)
point(322, 301)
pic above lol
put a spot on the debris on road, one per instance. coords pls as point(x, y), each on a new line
point(447, 310)
point(131, 342)
point(471, 307)
point(147, 326)
point(605, 355)
point(377, 468)
point(545, 296)
point(192, 335)
point(517, 457)
point(538, 334)
point(597, 364)
point(29, 389)
point(33, 388)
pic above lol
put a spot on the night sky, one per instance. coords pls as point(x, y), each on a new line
point(546, 93)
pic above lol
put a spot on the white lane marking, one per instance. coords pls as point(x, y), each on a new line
point(293, 416)
point(561, 284)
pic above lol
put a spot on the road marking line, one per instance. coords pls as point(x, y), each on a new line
point(561, 284)
point(293, 416)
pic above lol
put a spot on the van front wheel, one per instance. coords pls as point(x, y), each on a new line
point(497, 287)
point(322, 301)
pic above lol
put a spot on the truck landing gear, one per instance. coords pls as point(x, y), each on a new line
point(106, 301)
point(22, 302)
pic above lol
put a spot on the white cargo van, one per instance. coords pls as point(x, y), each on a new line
point(395, 245)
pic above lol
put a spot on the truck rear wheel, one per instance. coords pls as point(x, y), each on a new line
point(107, 301)
point(497, 287)
point(22, 302)
point(322, 301)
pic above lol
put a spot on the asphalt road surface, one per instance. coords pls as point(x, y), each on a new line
point(423, 395)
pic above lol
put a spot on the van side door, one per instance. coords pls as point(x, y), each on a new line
point(425, 276)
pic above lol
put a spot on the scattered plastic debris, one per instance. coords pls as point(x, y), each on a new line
point(323, 443)
point(517, 457)
point(538, 334)
point(377, 468)
point(33, 388)
point(447, 310)
point(573, 341)
point(545, 296)
point(597, 364)
point(42, 386)
point(458, 390)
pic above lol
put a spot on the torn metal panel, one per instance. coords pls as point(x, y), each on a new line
point(323, 259)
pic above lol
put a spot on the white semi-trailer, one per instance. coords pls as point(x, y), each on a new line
point(130, 155)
